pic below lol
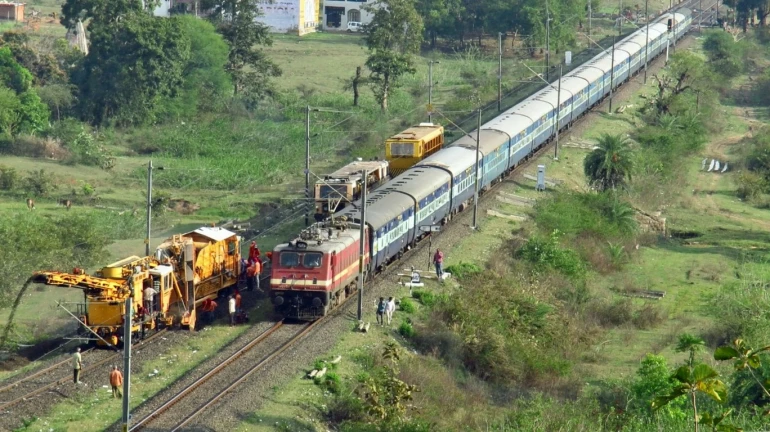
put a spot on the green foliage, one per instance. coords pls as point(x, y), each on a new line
point(9, 178)
point(10, 117)
point(427, 298)
point(545, 252)
point(39, 183)
point(406, 329)
point(12, 74)
point(87, 150)
point(206, 81)
point(133, 63)
point(72, 239)
point(653, 378)
point(407, 306)
point(329, 382)
point(463, 270)
point(33, 113)
point(691, 344)
point(106, 10)
point(724, 54)
point(385, 397)
point(690, 381)
point(390, 46)
point(249, 66)
point(58, 97)
point(611, 164)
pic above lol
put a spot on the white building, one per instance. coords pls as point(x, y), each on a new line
point(337, 13)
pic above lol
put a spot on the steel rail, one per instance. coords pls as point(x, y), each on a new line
point(248, 373)
point(197, 383)
point(38, 373)
point(63, 380)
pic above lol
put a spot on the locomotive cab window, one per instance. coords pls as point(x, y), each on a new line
point(311, 260)
point(231, 248)
point(289, 259)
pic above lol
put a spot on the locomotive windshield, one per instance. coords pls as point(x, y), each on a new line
point(312, 260)
point(289, 259)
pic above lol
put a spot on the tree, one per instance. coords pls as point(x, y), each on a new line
point(386, 397)
point(9, 112)
point(691, 381)
point(29, 113)
point(745, 358)
point(440, 17)
point(353, 84)
point(105, 11)
point(687, 72)
point(133, 62)
point(608, 166)
point(206, 81)
point(691, 344)
point(248, 64)
point(58, 97)
point(724, 54)
point(393, 36)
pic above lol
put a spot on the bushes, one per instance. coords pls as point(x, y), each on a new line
point(602, 215)
point(406, 329)
point(407, 306)
point(463, 270)
point(545, 252)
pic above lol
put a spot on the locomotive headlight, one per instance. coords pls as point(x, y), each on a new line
point(278, 300)
point(317, 302)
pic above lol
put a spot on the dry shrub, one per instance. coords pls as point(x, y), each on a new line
point(437, 340)
point(33, 146)
point(594, 251)
point(610, 313)
point(721, 334)
point(648, 317)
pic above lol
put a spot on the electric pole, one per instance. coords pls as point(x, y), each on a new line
point(558, 114)
point(700, 15)
point(430, 91)
point(307, 166)
point(620, 17)
point(612, 72)
point(149, 209)
point(647, 44)
point(361, 249)
point(476, 173)
point(590, 16)
point(547, 42)
point(127, 363)
point(499, 72)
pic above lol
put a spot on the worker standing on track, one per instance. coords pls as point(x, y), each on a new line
point(252, 274)
point(116, 381)
point(231, 309)
point(77, 366)
point(237, 295)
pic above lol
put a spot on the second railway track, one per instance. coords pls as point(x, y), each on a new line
point(184, 407)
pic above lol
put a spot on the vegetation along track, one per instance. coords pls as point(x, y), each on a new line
point(195, 398)
point(48, 379)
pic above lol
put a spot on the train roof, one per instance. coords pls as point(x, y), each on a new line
point(418, 132)
point(381, 207)
point(509, 123)
point(550, 94)
point(325, 237)
point(491, 139)
point(418, 182)
point(356, 167)
point(455, 159)
point(532, 108)
point(633, 43)
point(212, 233)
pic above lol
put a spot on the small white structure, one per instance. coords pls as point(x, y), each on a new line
point(338, 13)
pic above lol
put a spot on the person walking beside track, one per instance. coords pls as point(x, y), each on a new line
point(438, 261)
point(116, 381)
point(381, 311)
point(77, 366)
point(389, 309)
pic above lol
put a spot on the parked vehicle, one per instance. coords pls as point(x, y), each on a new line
point(355, 27)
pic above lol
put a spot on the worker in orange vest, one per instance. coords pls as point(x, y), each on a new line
point(252, 275)
point(116, 381)
point(208, 307)
point(253, 252)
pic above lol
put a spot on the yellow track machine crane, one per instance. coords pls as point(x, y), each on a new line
point(185, 270)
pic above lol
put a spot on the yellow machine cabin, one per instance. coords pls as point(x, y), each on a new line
point(413, 145)
point(185, 270)
point(336, 190)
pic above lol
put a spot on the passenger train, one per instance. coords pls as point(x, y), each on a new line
point(315, 272)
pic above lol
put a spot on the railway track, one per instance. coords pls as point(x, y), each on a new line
point(55, 375)
point(206, 391)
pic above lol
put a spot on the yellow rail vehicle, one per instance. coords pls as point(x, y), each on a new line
point(185, 270)
point(413, 145)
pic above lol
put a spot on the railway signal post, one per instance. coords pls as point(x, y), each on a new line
point(361, 249)
point(307, 166)
point(149, 209)
point(647, 41)
point(558, 109)
point(127, 364)
point(499, 71)
point(612, 72)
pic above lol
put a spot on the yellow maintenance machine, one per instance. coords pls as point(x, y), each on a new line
point(185, 270)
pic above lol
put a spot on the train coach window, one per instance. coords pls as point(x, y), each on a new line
point(311, 260)
point(289, 259)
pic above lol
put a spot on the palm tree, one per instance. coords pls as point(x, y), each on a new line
point(610, 164)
